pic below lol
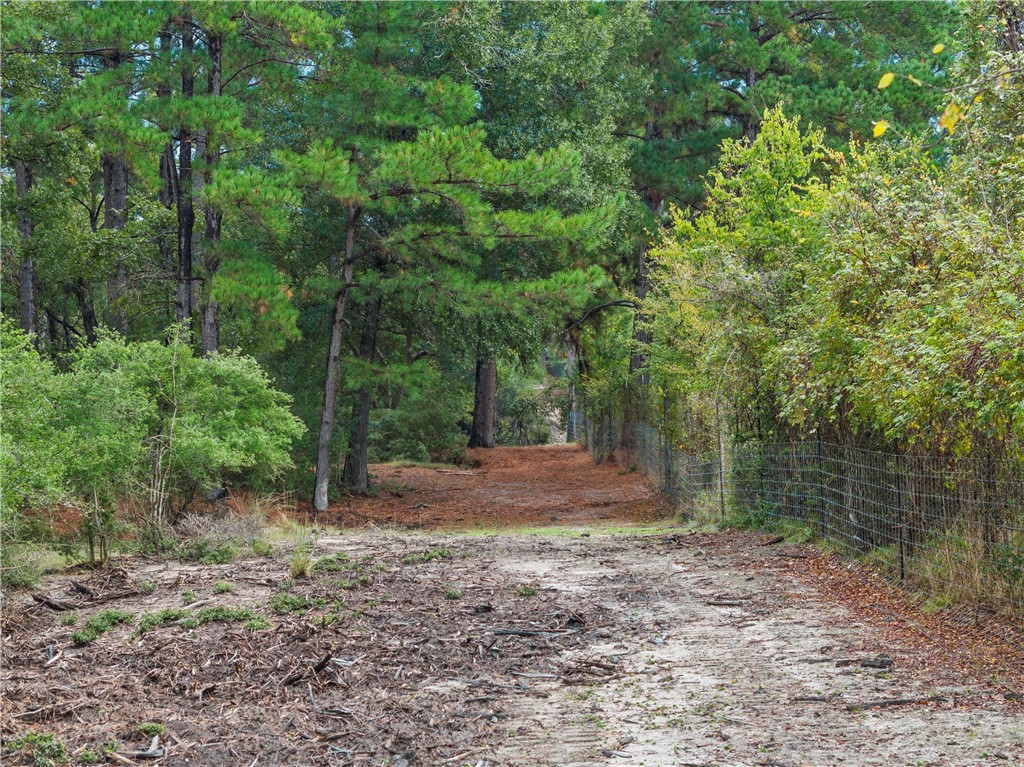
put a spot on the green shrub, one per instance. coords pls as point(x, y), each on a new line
point(45, 750)
point(425, 426)
point(223, 587)
point(283, 603)
point(100, 624)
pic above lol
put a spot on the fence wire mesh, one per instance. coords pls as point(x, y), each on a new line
point(951, 528)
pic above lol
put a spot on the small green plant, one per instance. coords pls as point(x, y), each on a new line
point(428, 556)
point(45, 750)
point(150, 728)
point(283, 603)
point(452, 593)
point(526, 591)
point(146, 587)
point(257, 623)
point(98, 625)
point(190, 619)
point(88, 756)
point(223, 587)
point(300, 563)
point(262, 548)
point(332, 563)
point(188, 596)
point(69, 619)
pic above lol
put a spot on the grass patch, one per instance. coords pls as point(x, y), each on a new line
point(45, 750)
point(188, 596)
point(283, 603)
point(191, 619)
point(452, 593)
point(526, 591)
point(332, 563)
point(150, 728)
point(146, 587)
point(98, 625)
point(223, 587)
point(262, 548)
point(430, 555)
point(69, 619)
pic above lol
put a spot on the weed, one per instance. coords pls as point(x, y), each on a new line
point(44, 749)
point(332, 563)
point(452, 593)
point(223, 587)
point(262, 548)
point(88, 756)
point(146, 587)
point(257, 623)
point(190, 619)
point(69, 619)
point(98, 625)
point(526, 591)
point(300, 564)
point(428, 556)
point(937, 602)
point(188, 596)
point(283, 603)
point(150, 728)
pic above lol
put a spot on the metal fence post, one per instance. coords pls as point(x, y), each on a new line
point(901, 516)
point(821, 491)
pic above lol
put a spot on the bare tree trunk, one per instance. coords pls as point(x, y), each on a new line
point(332, 377)
point(85, 307)
point(115, 204)
point(357, 468)
point(186, 211)
point(23, 180)
point(210, 333)
point(484, 404)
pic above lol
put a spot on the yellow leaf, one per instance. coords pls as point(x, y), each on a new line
point(881, 127)
point(886, 80)
point(939, 48)
point(951, 115)
point(915, 81)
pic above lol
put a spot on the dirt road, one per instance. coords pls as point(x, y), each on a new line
point(573, 647)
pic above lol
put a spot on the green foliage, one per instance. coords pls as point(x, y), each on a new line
point(98, 625)
point(431, 555)
point(424, 427)
point(526, 591)
point(44, 749)
point(151, 728)
point(192, 619)
point(223, 587)
point(283, 603)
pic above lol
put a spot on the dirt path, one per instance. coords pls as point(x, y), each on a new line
point(511, 487)
point(576, 647)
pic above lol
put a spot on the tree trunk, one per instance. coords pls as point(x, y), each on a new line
point(212, 217)
point(85, 307)
point(332, 377)
point(484, 407)
point(186, 211)
point(115, 204)
point(357, 469)
point(23, 181)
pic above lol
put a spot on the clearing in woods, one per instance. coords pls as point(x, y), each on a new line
point(596, 642)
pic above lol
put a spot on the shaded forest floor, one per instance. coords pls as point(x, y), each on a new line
point(595, 642)
point(508, 487)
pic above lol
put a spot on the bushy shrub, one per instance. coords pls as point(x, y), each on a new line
point(138, 424)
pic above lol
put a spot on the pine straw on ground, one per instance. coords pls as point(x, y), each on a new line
point(376, 671)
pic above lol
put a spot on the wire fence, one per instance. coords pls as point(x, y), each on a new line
point(953, 528)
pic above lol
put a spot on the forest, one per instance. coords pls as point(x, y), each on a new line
point(483, 383)
point(263, 245)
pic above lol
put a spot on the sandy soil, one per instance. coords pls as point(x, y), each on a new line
point(580, 646)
